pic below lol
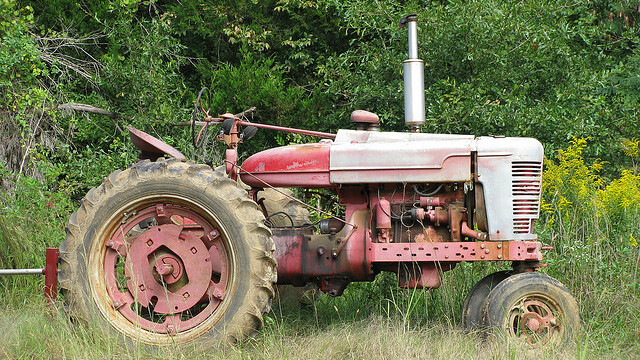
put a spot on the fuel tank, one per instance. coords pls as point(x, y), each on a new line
point(303, 165)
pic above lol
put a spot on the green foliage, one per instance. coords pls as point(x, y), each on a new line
point(548, 69)
point(577, 197)
point(32, 218)
point(592, 224)
point(19, 61)
point(533, 68)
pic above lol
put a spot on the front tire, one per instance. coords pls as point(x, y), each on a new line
point(533, 307)
point(168, 252)
point(472, 309)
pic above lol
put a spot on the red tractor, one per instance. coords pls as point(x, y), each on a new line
point(171, 251)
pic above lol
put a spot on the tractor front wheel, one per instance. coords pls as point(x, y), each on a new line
point(472, 309)
point(533, 307)
point(168, 252)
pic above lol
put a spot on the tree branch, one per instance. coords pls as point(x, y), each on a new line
point(92, 109)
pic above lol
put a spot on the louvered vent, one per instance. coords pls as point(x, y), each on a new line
point(526, 187)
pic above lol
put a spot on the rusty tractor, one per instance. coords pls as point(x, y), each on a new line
point(171, 251)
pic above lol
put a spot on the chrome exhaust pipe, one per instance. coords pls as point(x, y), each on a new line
point(414, 113)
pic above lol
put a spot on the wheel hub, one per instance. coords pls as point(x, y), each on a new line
point(166, 268)
point(535, 321)
point(169, 268)
point(532, 321)
point(188, 260)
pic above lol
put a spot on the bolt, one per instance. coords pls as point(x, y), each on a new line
point(194, 250)
point(446, 256)
point(142, 288)
point(149, 242)
point(499, 256)
point(499, 246)
point(214, 233)
point(481, 256)
point(185, 295)
point(553, 322)
point(482, 246)
point(320, 251)
point(171, 329)
point(110, 244)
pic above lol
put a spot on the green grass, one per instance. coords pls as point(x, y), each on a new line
point(371, 321)
point(330, 329)
point(596, 255)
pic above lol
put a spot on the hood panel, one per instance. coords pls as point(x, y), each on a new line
point(377, 157)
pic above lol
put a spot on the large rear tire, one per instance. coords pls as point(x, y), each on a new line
point(168, 252)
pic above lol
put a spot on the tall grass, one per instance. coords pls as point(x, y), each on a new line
point(591, 222)
point(32, 217)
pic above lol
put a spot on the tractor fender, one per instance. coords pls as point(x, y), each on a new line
point(150, 147)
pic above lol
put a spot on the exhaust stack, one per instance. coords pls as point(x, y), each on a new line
point(414, 114)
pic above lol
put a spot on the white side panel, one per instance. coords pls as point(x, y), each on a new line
point(510, 170)
point(372, 157)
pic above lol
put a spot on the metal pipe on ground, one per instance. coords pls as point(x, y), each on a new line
point(50, 272)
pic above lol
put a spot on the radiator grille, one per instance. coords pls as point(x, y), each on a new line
point(525, 189)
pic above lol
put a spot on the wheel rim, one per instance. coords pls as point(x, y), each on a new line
point(164, 269)
point(537, 320)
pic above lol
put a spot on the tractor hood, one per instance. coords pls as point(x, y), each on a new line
point(386, 157)
point(360, 157)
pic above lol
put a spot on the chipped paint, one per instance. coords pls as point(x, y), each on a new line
point(297, 165)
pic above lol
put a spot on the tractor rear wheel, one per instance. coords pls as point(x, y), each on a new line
point(168, 252)
point(533, 307)
point(472, 310)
